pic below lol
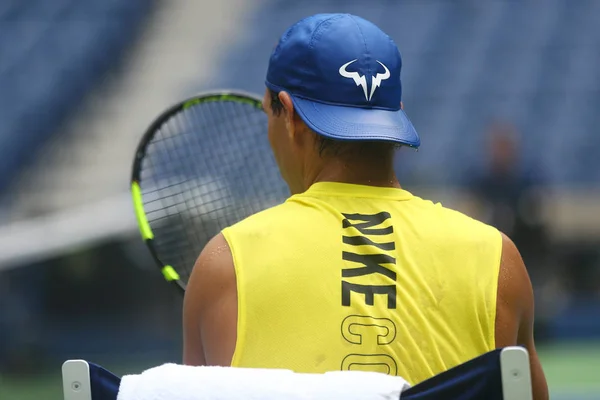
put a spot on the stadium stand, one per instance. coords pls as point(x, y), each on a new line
point(64, 49)
point(463, 67)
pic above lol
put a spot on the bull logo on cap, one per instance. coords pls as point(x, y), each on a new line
point(361, 80)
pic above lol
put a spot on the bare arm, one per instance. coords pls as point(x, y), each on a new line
point(210, 307)
point(515, 312)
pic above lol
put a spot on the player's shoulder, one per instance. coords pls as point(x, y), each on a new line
point(461, 225)
point(272, 217)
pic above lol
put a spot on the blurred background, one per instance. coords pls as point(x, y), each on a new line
point(505, 95)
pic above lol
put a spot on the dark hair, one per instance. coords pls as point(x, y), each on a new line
point(340, 148)
point(276, 104)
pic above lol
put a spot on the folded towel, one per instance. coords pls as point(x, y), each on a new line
point(181, 382)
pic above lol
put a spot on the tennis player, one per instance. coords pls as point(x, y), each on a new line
point(352, 271)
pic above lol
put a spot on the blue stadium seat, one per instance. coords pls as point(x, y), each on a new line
point(51, 54)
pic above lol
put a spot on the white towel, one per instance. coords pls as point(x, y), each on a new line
point(180, 382)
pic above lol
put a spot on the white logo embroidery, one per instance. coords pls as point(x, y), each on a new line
point(360, 80)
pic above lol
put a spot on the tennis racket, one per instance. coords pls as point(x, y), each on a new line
point(202, 165)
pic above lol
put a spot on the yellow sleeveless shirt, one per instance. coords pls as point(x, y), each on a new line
point(352, 277)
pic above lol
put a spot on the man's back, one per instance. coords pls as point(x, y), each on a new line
point(359, 277)
point(356, 275)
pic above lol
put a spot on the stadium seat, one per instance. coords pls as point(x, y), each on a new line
point(52, 53)
point(502, 374)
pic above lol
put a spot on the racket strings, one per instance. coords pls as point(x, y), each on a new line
point(207, 167)
point(176, 237)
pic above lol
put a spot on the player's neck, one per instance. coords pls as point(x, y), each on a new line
point(379, 174)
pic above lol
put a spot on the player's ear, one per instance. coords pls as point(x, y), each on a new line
point(288, 105)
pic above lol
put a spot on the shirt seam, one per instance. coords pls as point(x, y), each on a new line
point(319, 194)
point(241, 320)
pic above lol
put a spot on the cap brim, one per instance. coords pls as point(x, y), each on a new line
point(352, 123)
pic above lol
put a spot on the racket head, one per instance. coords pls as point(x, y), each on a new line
point(203, 164)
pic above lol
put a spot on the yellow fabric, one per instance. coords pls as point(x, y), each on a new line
point(358, 277)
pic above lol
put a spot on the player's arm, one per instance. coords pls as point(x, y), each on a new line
point(515, 312)
point(210, 307)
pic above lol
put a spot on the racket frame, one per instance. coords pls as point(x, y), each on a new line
point(169, 272)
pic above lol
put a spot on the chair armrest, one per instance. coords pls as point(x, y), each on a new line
point(76, 380)
point(516, 374)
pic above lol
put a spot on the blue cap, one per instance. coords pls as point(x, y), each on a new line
point(343, 74)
